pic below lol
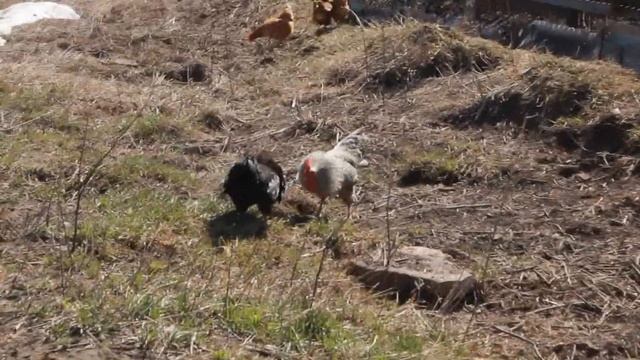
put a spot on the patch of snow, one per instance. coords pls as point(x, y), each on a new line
point(29, 12)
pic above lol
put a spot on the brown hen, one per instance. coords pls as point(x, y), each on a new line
point(278, 28)
point(322, 12)
point(341, 11)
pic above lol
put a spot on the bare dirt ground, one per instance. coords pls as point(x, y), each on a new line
point(510, 161)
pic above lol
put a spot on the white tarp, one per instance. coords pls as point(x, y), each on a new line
point(29, 12)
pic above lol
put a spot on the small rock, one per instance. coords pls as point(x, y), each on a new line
point(267, 60)
point(309, 49)
point(427, 275)
point(456, 254)
point(614, 222)
point(75, 331)
point(213, 120)
point(582, 228)
point(568, 170)
point(583, 176)
point(195, 72)
point(546, 159)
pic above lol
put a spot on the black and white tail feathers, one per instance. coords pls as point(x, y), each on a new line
point(255, 180)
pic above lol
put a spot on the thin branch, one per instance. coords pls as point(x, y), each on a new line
point(82, 184)
point(227, 286)
point(521, 337)
point(483, 276)
point(327, 245)
point(387, 247)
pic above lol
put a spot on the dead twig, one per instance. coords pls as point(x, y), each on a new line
point(520, 337)
point(82, 184)
point(463, 206)
point(266, 350)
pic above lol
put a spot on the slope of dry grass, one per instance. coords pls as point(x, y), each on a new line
point(562, 266)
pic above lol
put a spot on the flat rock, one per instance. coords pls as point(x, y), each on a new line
point(429, 276)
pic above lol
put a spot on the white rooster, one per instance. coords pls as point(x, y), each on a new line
point(333, 173)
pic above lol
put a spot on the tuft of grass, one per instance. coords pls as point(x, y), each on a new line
point(31, 102)
point(144, 306)
point(397, 57)
point(319, 326)
point(443, 160)
point(570, 121)
point(156, 128)
point(292, 327)
point(432, 167)
point(318, 227)
point(214, 119)
point(634, 134)
point(405, 342)
point(248, 319)
point(220, 355)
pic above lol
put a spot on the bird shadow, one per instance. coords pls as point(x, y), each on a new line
point(291, 218)
point(235, 225)
point(296, 219)
point(325, 30)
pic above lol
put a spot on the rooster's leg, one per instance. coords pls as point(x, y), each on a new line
point(320, 207)
point(348, 211)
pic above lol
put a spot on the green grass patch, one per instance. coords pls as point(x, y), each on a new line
point(318, 326)
point(36, 147)
point(221, 355)
point(138, 168)
point(156, 128)
point(570, 121)
point(39, 106)
point(443, 160)
point(293, 327)
point(31, 99)
point(405, 342)
point(137, 217)
point(431, 167)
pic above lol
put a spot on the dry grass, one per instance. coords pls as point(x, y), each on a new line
point(562, 268)
point(396, 57)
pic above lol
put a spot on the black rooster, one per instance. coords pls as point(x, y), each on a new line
point(255, 180)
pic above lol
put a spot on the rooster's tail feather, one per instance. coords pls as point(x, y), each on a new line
point(349, 148)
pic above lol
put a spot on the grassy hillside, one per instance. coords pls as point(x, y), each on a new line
point(510, 161)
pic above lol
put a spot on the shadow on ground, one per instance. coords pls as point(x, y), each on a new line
point(235, 225)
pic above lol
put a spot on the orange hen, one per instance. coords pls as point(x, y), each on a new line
point(278, 28)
